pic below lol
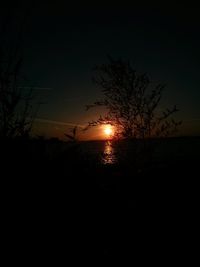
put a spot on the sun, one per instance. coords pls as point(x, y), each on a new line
point(108, 130)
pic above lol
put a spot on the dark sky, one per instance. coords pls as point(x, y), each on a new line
point(64, 42)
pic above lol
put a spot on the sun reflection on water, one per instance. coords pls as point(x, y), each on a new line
point(109, 156)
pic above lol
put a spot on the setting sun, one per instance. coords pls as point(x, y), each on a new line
point(108, 130)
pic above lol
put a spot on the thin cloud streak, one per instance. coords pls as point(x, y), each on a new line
point(59, 123)
point(36, 88)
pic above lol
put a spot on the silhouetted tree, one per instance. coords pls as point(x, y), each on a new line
point(72, 135)
point(131, 101)
point(16, 117)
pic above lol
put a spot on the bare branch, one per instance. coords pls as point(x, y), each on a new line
point(131, 100)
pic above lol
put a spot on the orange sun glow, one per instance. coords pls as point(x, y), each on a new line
point(108, 130)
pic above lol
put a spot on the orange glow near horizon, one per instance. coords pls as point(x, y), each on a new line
point(108, 130)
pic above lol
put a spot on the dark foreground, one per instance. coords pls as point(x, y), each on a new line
point(66, 202)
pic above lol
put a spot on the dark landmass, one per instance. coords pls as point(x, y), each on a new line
point(50, 183)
